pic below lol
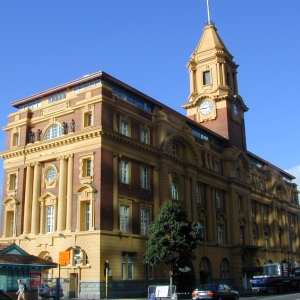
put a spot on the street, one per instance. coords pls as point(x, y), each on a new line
point(286, 296)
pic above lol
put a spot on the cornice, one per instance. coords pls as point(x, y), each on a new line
point(50, 144)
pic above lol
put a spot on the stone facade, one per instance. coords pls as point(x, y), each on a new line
point(88, 164)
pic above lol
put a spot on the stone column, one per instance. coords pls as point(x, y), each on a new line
point(70, 193)
point(219, 74)
point(223, 74)
point(43, 214)
point(61, 206)
point(35, 216)
point(27, 199)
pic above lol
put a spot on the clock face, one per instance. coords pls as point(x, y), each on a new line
point(235, 109)
point(206, 107)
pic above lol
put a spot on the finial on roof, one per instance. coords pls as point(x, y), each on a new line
point(208, 14)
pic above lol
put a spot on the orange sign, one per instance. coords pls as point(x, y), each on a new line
point(64, 258)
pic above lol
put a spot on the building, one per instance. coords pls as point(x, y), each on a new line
point(88, 164)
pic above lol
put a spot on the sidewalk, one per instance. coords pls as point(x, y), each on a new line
point(242, 293)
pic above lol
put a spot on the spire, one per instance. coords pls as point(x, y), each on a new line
point(208, 12)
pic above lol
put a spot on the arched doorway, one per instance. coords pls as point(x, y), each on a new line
point(184, 277)
point(205, 270)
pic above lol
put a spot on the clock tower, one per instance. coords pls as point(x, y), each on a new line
point(214, 101)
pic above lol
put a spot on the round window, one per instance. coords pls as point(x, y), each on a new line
point(51, 174)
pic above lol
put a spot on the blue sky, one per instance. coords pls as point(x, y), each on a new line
point(147, 44)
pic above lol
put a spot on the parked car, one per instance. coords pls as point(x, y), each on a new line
point(215, 291)
point(47, 291)
point(3, 296)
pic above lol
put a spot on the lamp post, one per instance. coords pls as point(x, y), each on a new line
point(106, 268)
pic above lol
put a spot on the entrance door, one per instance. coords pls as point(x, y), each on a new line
point(73, 286)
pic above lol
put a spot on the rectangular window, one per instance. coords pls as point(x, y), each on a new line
point(144, 177)
point(148, 271)
point(174, 149)
point(85, 86)
point(242, 235)
point(15, 139)
point(254, 237)
point(124, 128)
point(266, 239)
point(252, 208)
point(264, 212)
point(123, 266)
point(10, 223)
point(216, 165)
point(56, 97)
point(124, 218)
point(261, 185)
point(206, 78)
point(201, 227)
point(89, 119)
point(87, 215)
point(88, 167)
point(12, 182)
point(218, 199)
point(220, 234)
point(49, 219)
point(130, 265)
point(124, 171)
point(144, 136)
point(292, 221)
point(198, 193)
point(144, 222)
point(240, 203)
point(293, 244)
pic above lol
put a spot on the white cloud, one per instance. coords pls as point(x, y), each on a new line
point(296, 172)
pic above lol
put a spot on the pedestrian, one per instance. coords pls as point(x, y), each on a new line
point(21, 290)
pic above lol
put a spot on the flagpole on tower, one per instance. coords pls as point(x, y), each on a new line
point(208, 12)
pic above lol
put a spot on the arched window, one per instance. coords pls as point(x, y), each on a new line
point(224, 268)
point(174, 191)
point(53, 132)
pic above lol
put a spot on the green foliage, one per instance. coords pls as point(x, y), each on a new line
point(172, 237)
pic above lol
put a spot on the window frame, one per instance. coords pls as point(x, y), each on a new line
point(144, 136)
point(199, 193)
point(206, 77)
point(175, 191)
point(220, 233)
point(145, 221)
point(124, 171)
point(50, 219)
point(144, 178)
point(53, 132)
point(124, 219)
point(124, 128)
point(218, 199)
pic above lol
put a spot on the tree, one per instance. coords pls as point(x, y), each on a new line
point(172, 238)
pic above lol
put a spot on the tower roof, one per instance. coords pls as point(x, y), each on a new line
point(210, 42)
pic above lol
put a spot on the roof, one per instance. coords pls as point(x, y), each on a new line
point(27, 261)
point(12, 256)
